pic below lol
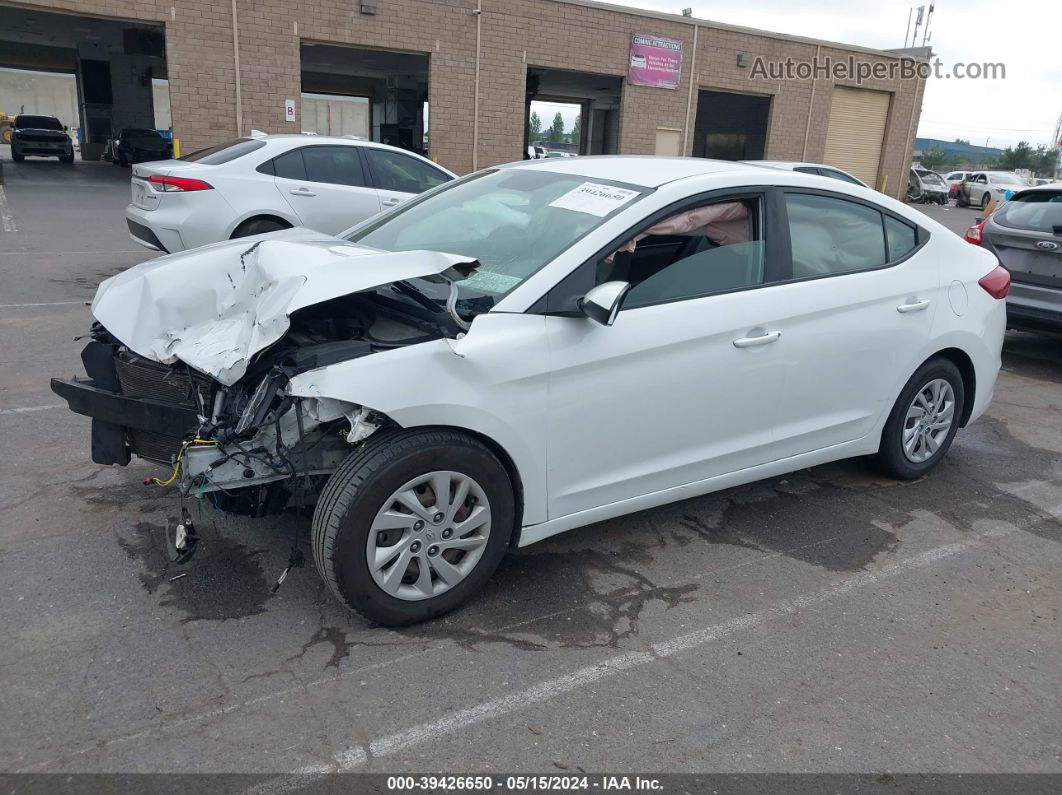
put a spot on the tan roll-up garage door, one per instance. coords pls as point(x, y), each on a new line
point(857, 129)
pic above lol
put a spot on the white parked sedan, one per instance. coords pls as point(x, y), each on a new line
point(810, 168)
point(269, 182)
point(536, 347)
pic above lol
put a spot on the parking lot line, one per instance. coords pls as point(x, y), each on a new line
point(28, 409)
point(7, 220)
point(46, 303)
point(388, 745)
point(591, 674)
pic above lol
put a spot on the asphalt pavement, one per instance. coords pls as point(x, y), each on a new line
point(830, 620)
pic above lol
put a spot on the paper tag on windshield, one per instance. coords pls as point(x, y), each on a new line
point(594, 199)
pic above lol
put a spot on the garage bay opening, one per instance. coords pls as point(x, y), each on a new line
point(731, 126)
point(373, 94)
point(98, 76)
point(589, 107)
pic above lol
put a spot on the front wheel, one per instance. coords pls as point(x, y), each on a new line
point(985, 199)
point(923, 421)
point(413, 524)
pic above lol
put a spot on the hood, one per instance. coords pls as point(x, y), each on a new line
point(214, 307)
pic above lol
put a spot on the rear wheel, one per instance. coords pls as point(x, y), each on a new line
point(258, 226)
point(413, 524)
point(923, 422)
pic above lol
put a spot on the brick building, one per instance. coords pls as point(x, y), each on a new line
point(466, 70)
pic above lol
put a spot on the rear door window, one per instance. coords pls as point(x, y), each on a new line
point(832, 236)
point(1039, 212)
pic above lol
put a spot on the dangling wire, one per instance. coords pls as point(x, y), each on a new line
point(177, 464)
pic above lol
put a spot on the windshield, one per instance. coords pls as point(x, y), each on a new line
point(38, 123)
point(930, 178)
point(512, 220)
point(1038, 210)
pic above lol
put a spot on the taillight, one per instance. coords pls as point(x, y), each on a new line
point(974, 234)
point(996, 283)
point(175, 184)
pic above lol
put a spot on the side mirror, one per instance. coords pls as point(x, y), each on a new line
point(602, 303)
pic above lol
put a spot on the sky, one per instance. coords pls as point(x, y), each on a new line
point(1018, 33)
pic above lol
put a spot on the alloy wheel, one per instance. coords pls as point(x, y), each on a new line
point(928, 421)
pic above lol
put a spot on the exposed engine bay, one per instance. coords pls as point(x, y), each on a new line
point(251, 447)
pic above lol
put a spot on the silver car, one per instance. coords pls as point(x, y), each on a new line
point(1025, 234)
point(982, 186)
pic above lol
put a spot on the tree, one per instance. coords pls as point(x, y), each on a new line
point(555, 135)
point(577, 130)
point(534, 128)
point(1045, 161)
point(1020, 156)
point(933, 159)
point(962, 141)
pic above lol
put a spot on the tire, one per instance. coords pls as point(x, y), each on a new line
point(985, 199)
point(66, 158)
point(257, 226)
point(892, 458)
point(17, 157)
point(367, 484)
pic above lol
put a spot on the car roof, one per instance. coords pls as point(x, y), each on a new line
point(1051, 187)
point(650, 171)
point(313, 139)
point(791, 164)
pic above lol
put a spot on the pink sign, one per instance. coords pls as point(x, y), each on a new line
point(655, 61)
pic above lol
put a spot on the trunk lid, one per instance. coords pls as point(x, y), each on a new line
point(215, 307)
point(1026, 235)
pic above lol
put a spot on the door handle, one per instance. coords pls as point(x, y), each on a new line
point(763, 339)
point(390, 202)
point(302, 192)
point(913, 306)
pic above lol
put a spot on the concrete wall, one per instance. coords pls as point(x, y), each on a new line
point(560, 34)
point(48, 93)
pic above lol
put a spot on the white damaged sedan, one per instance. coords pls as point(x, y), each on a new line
point(536, 347)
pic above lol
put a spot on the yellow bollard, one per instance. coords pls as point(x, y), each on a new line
point(176, 148)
